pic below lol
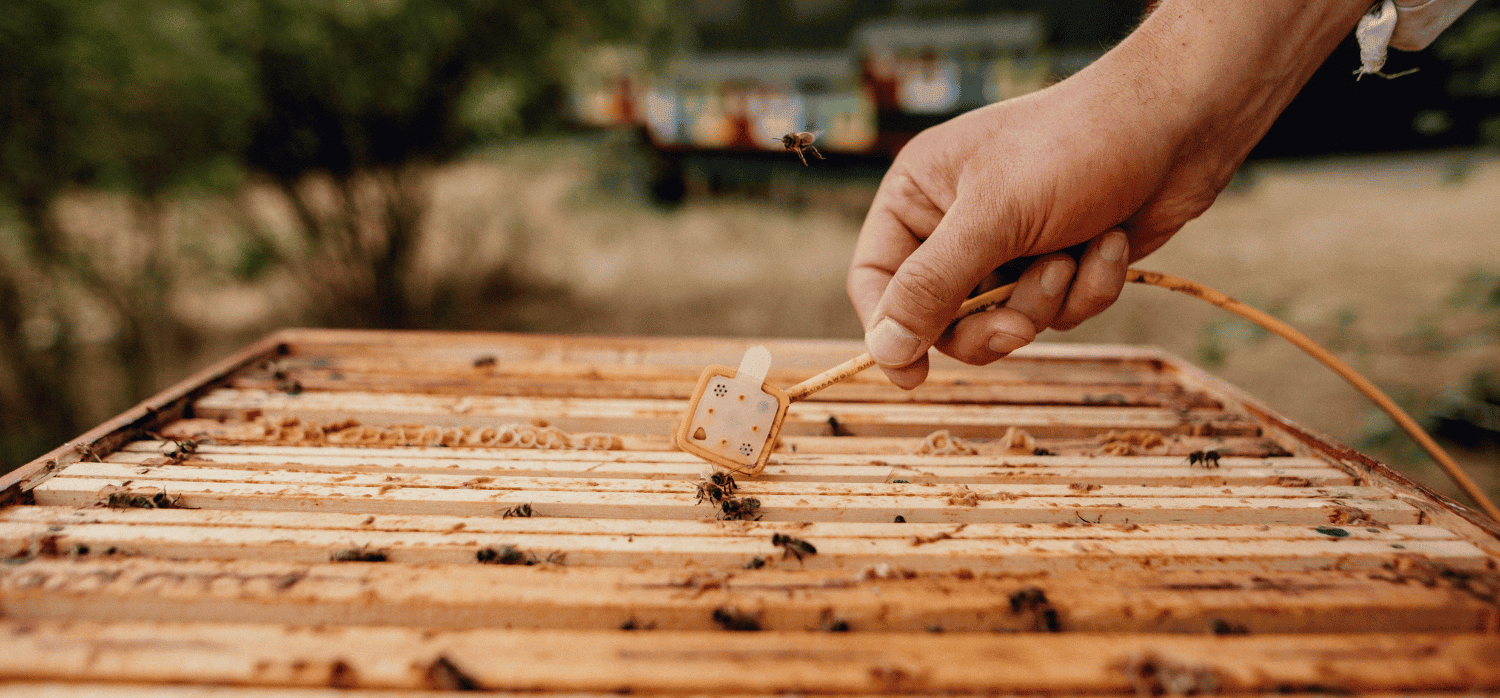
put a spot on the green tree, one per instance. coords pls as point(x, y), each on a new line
point(1473, 44)
point(361, 100)
point(346, 105)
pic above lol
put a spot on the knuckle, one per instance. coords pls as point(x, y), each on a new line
point(921, 289)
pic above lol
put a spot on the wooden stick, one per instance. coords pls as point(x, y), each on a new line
point(984, 301)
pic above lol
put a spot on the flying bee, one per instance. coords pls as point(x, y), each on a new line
point(795, 547)
point(736, 509)
point(799, 141)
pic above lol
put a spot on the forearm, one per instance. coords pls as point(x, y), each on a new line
point(1223, 71)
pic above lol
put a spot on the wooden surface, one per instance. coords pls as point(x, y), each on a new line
point(1104, 561)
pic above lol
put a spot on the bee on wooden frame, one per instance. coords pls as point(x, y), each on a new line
point(795, 547)
point(1209, 458)
point(711, 492)
point(799, 141)
point(178, 450)
point(737, 509)
point(724, 480)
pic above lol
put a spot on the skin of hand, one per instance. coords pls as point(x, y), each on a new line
point(1119, 155)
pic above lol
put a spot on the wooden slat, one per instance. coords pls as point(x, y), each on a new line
point(605, 381)
point(418, 351)
point(637, 544)
point(659, 416)
point(714, 662)
point(62, 517)
point(69, 491)
point(261, 433)
point(923, 486)
point(469, 596)
point(804, 469)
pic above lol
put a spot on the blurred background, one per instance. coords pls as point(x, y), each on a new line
point(180, 177)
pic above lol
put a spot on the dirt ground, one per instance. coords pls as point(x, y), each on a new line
point(1361, 253)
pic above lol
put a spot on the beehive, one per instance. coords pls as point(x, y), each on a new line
point(349, 510)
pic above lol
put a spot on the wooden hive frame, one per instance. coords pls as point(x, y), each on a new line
point(332, 527)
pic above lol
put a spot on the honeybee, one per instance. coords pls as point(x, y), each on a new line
point(1209, 458)
point(362, 554)
point(504, 555)
point(711, 493)
point(799, 141)
point(735, 619)
point(177, 450)
point(724, 480)
point(736, 509)
point(522, 510)
point(795, 547)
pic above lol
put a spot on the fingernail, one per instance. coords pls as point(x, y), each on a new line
point(891, 344)
point(1008, 339)
point(1055, 277)
point(1006, 343)
point(1113, 247)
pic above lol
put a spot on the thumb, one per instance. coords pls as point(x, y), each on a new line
point(924, 294)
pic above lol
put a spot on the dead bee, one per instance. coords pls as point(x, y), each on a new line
point(711, 493)
point(358, 555)
point(1041, 452)
point(737, 509)
point(724, 480)
point(522, 510)
point(795, 547)
point(1209, 458)
point(799, 141)
point(735, 619)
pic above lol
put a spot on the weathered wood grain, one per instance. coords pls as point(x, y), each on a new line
point(516, 597)
point(728, 662)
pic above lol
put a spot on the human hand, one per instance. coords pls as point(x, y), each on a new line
point(1120, 156)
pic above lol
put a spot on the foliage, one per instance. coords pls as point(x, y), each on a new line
point(345, 105)
point(1466, 327)
point(1473, 44)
